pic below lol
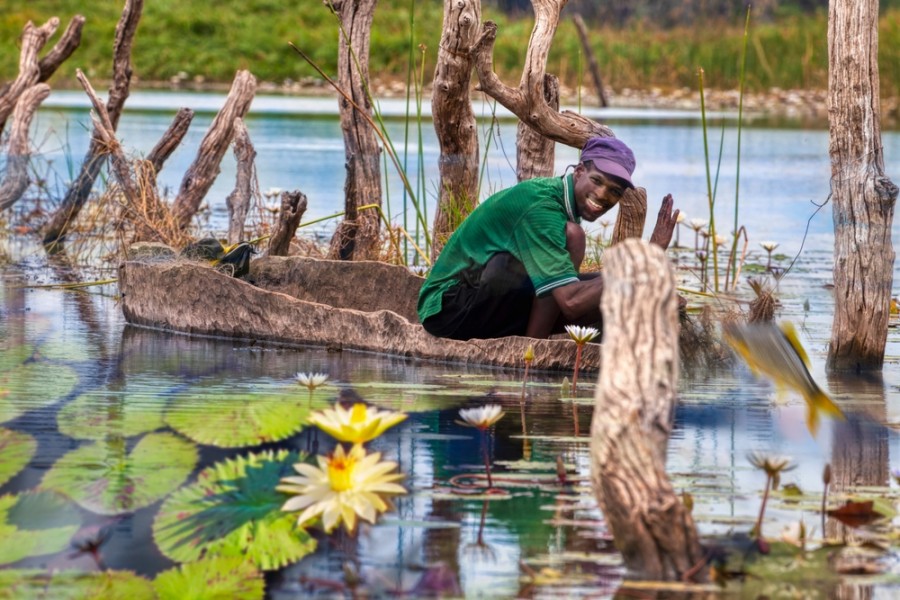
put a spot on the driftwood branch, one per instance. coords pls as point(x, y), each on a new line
point(202, 173)
point(293, 205)
point(80, 190)
point(238, 201)
point(633, 415)
point(588, 50)
point(170, 139)
point(63, 49)
point(632, 215)
point(33, 39)
point(106, 137)
point(527, 101)
point(19, 151)
point(536, 154)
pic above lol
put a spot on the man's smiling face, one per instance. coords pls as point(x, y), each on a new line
point(595, 193)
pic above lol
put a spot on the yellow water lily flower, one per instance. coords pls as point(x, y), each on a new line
point(356, 425)
point(344, 486)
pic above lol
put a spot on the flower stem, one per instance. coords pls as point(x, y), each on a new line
point(577, 365)
point(762, 509)
point(487, 463)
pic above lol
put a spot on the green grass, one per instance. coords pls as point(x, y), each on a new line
point(213, 41)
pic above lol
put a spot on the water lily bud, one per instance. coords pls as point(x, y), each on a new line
point(826, 474)
point(529, 354)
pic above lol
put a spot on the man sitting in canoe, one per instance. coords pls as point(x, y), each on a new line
point(511, 268)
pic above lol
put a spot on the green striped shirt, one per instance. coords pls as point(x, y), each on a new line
point(527, 220)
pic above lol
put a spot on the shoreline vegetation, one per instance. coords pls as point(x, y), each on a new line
point(184, 46)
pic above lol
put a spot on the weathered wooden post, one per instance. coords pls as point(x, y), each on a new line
point(536, 154)
point(633, 415)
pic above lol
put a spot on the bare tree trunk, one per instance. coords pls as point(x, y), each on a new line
point(293, 205)
point(357, 236)
point(632, 215)
point(633, 415)
point(863, 195)
point(454, 120)
point(33, 39)
point(527, 101)
point(238, 201)
point(592, 60)
point(536, 154)
point(15, 181)
point(63, 49)
point(78, 193)
point(206, 166)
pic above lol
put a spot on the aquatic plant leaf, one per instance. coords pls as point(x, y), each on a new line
point(99, 414)
point(34, 524)
point(105, 478)
point(16, 450)
point(31, 386)
point(38, 584)
point(242, 418)
point(220, 577)
point(14, 355)
point(856, 514)
point(234, 510)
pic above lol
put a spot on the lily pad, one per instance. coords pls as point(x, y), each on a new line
point(33, 385)
point(99, 414)
point(16, 450)
point(38, 584)
point(105, 478)
point(234, 510)
point(34, 524)
point(221, 577)
point(230, 418)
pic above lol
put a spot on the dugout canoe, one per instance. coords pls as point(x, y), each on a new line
point(297, 301)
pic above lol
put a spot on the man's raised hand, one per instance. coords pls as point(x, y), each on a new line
point(665, 223)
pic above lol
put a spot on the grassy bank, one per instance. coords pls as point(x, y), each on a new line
point(209, 41)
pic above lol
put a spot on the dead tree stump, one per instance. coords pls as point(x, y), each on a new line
point(238, 201)
point(358, 235)
point(203, 171)
point(63, 49)
point(632, 215)
point(15, 181)
point(33, 40)
point(293, 205)
point(454, 120)
point(864, 196)
point(80, 190)
point(633, 415)
point(536, 154)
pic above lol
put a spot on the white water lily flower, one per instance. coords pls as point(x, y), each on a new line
point(697, 224)
point(481, 417)
point(358, 424)
point(343, 487)
point(582, 335)
point(721, 240)
point(681, 217)
point(311, 380)
point(769, 246)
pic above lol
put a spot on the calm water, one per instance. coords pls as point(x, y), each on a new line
point(90, 390)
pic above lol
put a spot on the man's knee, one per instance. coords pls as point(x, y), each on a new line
point(576, 243)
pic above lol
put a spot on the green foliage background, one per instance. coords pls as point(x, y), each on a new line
point(788, 48)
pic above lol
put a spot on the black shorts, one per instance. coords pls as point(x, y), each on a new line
point(488, 302)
